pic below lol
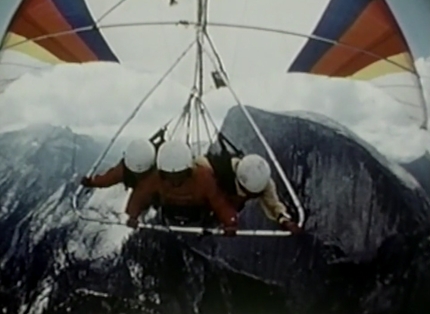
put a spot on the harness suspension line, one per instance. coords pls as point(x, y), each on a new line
point(188, 114)
point(201, 20)
point(205, 121)
point(204, 109)
point(181, 118)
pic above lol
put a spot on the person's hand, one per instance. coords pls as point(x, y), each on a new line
point(287, 224)
point(86, 182)
point(231, 228)
point(230, 231)
point(132, 223)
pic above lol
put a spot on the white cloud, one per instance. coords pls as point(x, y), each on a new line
point(365, 109)
point(93, 97)
point(97, 98)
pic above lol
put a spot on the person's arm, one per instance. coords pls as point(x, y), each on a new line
point(272, 206)
point(140, 198)
point(111, 177)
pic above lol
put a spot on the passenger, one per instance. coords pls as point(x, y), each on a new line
point(138, 162)
point(187, 191)
point(249, 178)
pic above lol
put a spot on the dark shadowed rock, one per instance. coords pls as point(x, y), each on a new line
point(158, 273)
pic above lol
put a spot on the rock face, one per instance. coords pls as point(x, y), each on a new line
point(420, 169)
point(34, 164)
point(361, 208)
point(365, 249)
point(36, 169)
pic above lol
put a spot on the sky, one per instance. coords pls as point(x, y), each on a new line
point(96, 98)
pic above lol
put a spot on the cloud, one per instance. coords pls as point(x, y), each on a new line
point(97, 98)
point(92, 97)
point(365, 109)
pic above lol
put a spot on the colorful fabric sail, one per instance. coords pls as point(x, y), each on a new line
point(360, 39)
point(50, 32)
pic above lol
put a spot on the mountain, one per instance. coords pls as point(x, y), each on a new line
point(365, 215)
point(420, 169)
point(35, 162)
point(37, 167)
point(365, 248)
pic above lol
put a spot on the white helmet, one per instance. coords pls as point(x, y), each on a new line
point(174, 156)
point(139, 155)
point(253, 173)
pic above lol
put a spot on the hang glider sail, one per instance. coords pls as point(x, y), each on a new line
point(361, 40)
point(48, 32)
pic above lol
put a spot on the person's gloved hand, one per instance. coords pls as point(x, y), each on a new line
point(86, 182)
point(287, 224)
point(230, 229)
point(132, 223)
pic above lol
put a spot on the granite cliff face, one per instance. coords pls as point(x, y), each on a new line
point(363, 212)
point(420, 169)
point(365, 248)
